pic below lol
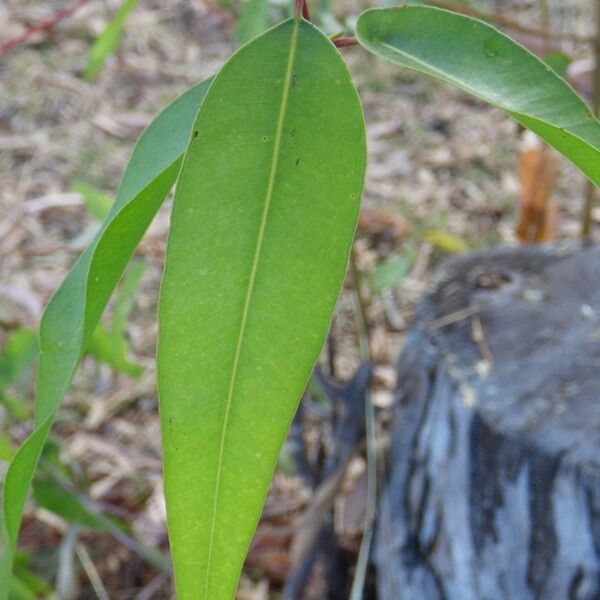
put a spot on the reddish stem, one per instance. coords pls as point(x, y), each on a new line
point(45, 25)
point(305, 11)
point(300, 8)
point(344, 42)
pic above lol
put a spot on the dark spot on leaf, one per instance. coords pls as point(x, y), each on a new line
point(195, 134)
point(297, 161)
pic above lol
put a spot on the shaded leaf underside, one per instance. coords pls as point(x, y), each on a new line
point(480, 60)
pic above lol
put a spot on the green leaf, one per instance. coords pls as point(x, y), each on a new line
point(256, 256)
point(253, 20)
point(390, 273)
point(64, 503)
point(95, 200)
point(16, 365)
point(75, 309)
point(6, 448)
point(108, 40)
point(19, 590)
point(559, 62)
point(25, 584)
point(19, 353)
point(111, 345)
point(478, 59)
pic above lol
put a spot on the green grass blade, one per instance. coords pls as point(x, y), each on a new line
point(481, 61)
point(107, 41)
point(110, 345)
point(65, 503)
point(256, 257)
point(17, 356)
point(96, 201)
point(75, 309)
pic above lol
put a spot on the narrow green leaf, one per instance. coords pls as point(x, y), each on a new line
point(256, 256)
point(64, 503)
point(478, 59)
point(111, 345)
point(95, 200)
point(559, 62)
point(24, 574)
point(19, 590)
point(75, 309)
point(253, 20)
point(127, 292)
point(18, 355)
point(6, 448)
point(16, 366)
point(390, 273)
point(108, 40)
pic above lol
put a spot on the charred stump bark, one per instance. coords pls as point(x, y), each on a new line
point(493, 486)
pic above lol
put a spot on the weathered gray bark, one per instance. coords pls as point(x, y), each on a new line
point(493, 490)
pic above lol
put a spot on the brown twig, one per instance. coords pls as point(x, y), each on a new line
point(45, 25)
point(300, 8)
point(343, 42)
point(305, 11)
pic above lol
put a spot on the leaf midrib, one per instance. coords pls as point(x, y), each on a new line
point(249, 291)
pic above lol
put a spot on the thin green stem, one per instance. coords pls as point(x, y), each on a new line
point(362, 326)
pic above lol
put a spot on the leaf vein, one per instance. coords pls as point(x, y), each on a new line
point(261, 232)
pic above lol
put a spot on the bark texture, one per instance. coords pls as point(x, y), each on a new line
point(493, 490)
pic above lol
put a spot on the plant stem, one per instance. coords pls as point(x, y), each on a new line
point(343, 42)
point(590, 188)
point(45, 25)
point(362, 326)
point(360, 312)
point(301, 9)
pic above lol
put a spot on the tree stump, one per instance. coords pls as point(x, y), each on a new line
point(493, 486)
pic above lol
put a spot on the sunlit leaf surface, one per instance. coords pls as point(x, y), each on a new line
point(263, 219)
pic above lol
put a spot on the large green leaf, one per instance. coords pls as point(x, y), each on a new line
point(480, 60)
point(73, 312)
point(256, 256)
